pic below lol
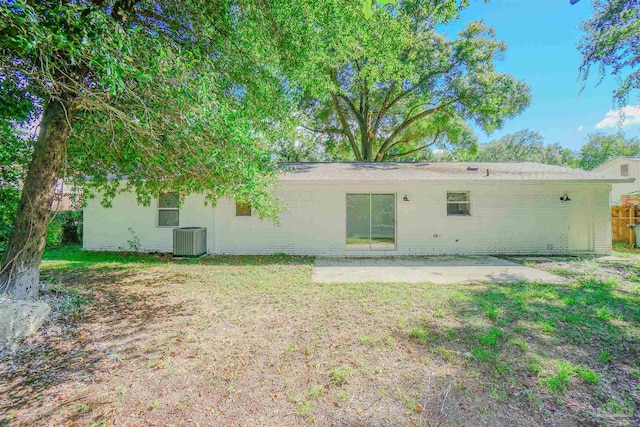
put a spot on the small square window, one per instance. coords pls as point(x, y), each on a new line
point(458, 203)
point(168, 218)
point(168, 211)
point(243, 209)
point(624, 170)
point(168, 200)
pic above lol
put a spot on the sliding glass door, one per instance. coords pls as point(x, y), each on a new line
point(371, 221)
point(383, 221)
point(359, 221)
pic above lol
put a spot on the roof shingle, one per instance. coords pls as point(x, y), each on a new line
point(510, 171)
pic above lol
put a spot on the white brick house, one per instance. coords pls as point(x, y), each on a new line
point(369, 209)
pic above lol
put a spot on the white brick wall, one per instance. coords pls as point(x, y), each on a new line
point(602, 221)
point(507, 218)
point(107, 229)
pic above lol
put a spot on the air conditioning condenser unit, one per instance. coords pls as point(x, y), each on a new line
point(189, 241)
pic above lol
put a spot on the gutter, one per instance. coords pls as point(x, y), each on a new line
point(476, 180)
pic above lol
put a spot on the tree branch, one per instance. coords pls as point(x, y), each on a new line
point(393, 156)
point(384, 108)
point(334, 78)
point(325, 130)
point(345, 127)
point(350, 105)
point(365, 133)
point(402, 141)
point(422, 80)
point(409, 122)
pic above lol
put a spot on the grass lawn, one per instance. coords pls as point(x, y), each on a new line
point(244, 341)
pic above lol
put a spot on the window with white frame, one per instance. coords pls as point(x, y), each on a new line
point(168, 211)
point(458, 203)
point(243, 209)
point(624, 170)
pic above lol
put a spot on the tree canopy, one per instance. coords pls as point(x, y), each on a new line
point(384, 88)
point(529, 146)
point(168, 95)
point(523, 146)
point(600, 148)
point(611, 43)
point(164, 94)
point(16, 111)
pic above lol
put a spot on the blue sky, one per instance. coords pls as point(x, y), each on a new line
point(541, 36)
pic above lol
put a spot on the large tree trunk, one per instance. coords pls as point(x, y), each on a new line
point(20, 274)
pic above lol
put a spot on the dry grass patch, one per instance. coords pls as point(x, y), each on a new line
point(251, 341)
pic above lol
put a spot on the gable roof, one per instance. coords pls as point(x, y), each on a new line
point(509, 171)
point(617, 159)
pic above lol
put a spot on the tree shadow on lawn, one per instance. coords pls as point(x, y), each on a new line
point(98, 314)
point(563, 354)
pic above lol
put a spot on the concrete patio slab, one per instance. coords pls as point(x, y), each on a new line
point(438, 270)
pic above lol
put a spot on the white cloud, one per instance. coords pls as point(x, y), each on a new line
point(580, 128)
point(631, 115)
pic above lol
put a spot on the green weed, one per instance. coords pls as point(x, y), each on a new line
point(340, 375)
point(559, 382)
point(419, 334)
point(492, 337)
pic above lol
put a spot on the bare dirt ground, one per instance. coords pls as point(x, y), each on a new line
point(245, 341)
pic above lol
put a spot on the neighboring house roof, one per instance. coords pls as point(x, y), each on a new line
point(617, 159)
point(511, 171)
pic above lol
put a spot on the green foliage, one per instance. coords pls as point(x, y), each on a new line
point(367, 6)
point(600, 148)
point(524, 146)
point(16, 110)
point(133, 243)
point(611, 43)
point(14, 155)
point(64, 228)
point(170, 96)
point(72, 226)
point(55, 231)
point(388, 87)
point(529, 146)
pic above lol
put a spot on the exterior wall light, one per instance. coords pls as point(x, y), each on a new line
point(405, 198)
point(565, 198)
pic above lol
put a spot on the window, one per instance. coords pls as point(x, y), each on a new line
point(624, 170)
point(458, 203)
point(168, 211)
point(243, 209)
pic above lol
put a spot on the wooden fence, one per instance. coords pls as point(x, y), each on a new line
point(621, 216)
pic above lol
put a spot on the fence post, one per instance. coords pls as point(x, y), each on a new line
point(621, 224)
point(632, 220)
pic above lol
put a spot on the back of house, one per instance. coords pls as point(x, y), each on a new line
point(624, 167)
point(383, 209)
